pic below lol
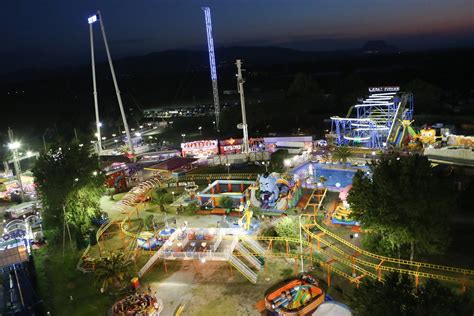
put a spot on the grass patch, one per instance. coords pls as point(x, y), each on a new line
point(58, 280)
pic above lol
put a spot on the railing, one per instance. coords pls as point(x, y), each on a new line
point(248, 256)
point(253, 244)
point(243, 269)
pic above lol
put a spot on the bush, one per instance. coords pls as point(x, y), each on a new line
point(287, 227)
point(226, 202)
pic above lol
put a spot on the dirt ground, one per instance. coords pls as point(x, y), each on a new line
point(213, 289)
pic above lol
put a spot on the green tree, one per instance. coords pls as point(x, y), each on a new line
point(392, 297)
point(397, 295)
point(399, 203)
point(436, 299)
point(82, 205)
point(342, 153)
point(161, 197)
point(287, 227)
point(226, 202)
point(112, 271)
point(63, 173)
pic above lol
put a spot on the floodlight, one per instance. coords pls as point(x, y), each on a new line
point(92, 19)
point(14, 145)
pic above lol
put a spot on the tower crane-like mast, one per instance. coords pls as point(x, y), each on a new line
point(212, 64)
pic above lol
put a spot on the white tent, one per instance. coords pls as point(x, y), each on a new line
point(332, 309)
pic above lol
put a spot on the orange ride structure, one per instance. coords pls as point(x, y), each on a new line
point(319, 246)
point(294, 297)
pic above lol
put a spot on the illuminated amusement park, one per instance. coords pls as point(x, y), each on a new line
point(361, 209)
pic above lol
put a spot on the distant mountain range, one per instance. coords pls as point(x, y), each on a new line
point(179, 61)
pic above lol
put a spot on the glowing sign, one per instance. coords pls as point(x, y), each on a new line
point(200, 148)
point(384, 89)
point(92, 19)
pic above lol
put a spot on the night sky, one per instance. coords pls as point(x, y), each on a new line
point(55, 32)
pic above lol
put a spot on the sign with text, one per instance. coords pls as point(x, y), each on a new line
point(200, 148)
point(384, 89)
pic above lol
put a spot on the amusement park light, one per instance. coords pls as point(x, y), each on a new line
point(356, 235)
point(113, 135)
point(287, 162)
point(94, 173)
point(14, 145)
point(373, 153)
point(141, 126)
point(138, 134)
point(338, 185)
point(320, 184)
point(203, 260)
point(384, 144)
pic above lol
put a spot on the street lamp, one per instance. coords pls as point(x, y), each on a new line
point(228, 168)
point(184, 139)
point(200, 130)
point(214, 122)
point(266, 164)
point(13, 146)
point(173, 195)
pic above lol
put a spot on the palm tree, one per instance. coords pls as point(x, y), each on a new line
point(342, 153)
point(322, 179)
point(112, 270)
point(161, 197)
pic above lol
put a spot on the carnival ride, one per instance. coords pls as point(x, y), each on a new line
point(295, 297)
point(214, 192)
point(342, 216)
point(375, 122)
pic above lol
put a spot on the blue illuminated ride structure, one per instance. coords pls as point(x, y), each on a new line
point(375, 122)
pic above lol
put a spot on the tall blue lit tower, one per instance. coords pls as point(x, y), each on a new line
point(212, 64)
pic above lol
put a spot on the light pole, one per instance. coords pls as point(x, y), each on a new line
point(173, 196)
point(214, 122)
point(91, 21)
point(228, 168)
point(184, 137)
point(240, 86)
point(200, 130)
point(301, 244)
point(13, 146)
point(266, 163)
